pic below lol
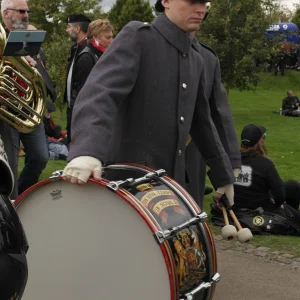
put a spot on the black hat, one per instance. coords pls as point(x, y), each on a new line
point(251, 134)
point(50, 106)
point(160, 8)
point(78, 18)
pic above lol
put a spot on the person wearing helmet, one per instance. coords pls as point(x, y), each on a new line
point(13, 243)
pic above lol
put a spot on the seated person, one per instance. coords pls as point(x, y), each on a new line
point(290, 105)
point(259, 184)
point(292, 193)
point(57, 138)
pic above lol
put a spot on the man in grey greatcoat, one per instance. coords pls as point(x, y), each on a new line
point(222, 118)
point(142, 100)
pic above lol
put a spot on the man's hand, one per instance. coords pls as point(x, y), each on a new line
point(228, 191)
point(30, 60)
point(79, 169)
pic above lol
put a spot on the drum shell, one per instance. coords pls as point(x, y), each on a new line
point(175, 196)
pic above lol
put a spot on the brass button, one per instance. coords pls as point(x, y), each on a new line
point(184, 55)
point(182, 120)
point(179, 153)
point(184, 86)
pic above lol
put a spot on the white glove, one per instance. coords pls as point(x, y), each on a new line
point(228, 191)
point(82, 168)
point(236, 172)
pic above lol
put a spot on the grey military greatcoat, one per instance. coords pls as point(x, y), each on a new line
point(222, 118)
point(143, 98)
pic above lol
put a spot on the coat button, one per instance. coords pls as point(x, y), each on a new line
point(179, 153)
point(184, 55)
point(184, 86)
point(182, 120)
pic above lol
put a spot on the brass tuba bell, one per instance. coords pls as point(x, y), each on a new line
point(22, 91)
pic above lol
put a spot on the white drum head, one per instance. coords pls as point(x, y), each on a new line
point(85, 242)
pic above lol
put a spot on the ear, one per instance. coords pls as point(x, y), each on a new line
point(166, 3)
point(77, 29)
point(5, 14)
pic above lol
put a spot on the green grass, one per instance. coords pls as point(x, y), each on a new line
point(283, 139)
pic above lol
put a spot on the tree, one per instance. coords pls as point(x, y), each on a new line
point(296, 17)
point(235, 29)
point(52, 15)
point(124, 11)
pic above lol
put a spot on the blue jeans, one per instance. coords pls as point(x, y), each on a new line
point(36, 149)
point(57, 150)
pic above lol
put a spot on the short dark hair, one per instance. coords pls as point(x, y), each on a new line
point(83, 26)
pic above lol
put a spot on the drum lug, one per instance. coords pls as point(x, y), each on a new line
point(56, 175)
point(202, 286)
point(116, 185)
point(162, 236)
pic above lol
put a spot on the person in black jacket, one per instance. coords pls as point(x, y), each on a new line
point(258, 183)
point(290, 105)
point(99, 37)
point(77, 30)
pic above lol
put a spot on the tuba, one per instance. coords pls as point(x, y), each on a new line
point(22, 91)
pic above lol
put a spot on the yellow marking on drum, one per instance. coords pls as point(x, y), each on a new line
point(163, 204)
point(147, 213)
point(154, 194)
point(145, 187)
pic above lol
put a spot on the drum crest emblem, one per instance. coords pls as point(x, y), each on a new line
point(190, 259)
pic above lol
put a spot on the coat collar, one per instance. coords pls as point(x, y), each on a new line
point(173, 34)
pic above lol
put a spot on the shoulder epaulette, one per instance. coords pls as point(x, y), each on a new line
point(139, 25)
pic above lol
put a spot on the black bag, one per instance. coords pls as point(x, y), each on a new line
point(260, 221)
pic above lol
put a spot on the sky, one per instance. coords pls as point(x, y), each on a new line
point(107, 4)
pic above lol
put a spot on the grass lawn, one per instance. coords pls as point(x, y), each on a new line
point(283, 140)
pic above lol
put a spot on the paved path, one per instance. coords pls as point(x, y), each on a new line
point(250, 277)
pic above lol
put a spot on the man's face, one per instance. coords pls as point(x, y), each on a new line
point(16, 19)
point(186, 14)
point(72, 31)
point(47, 113)
point(290, 94)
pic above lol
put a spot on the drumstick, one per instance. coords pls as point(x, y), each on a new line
point(225, 215)
point(234, 218)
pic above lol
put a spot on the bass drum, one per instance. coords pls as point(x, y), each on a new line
point(140, 237)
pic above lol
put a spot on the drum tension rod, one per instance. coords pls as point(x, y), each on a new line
point(115, 185)
point(202, 286)
point(56, 175)
point(162, 236)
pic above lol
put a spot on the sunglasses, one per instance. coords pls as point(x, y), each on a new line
point(21, 11)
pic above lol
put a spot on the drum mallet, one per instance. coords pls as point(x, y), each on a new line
point(228, 231)
point(244, 235)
